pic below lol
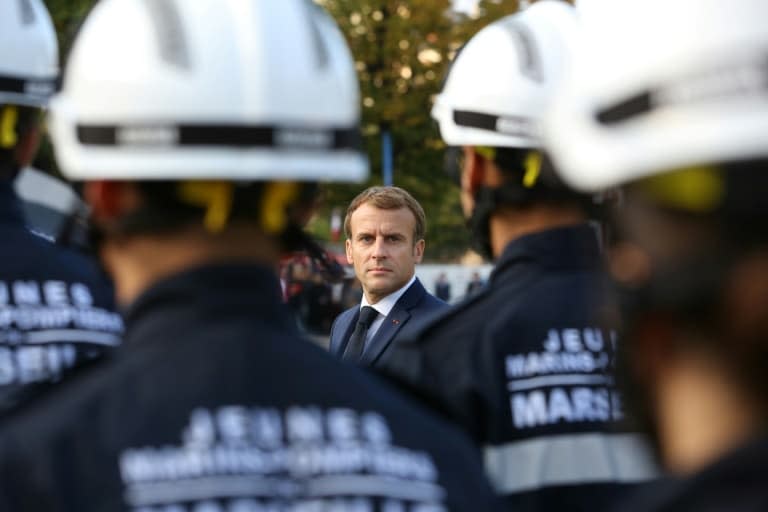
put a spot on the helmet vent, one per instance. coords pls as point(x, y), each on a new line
point(319, 43)
point(170, 32)
point(528, 54)
point(27, 12)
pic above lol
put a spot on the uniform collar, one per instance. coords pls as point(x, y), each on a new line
point(215, 291)
point(571, 247)
point(10, 207)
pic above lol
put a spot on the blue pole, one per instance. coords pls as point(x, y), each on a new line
point(386, 157)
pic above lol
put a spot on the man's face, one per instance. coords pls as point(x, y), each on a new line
point(382, 249)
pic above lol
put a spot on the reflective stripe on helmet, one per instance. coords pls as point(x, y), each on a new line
point(39, 88)
point(285, 137)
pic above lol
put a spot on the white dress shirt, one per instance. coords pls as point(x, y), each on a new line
point(384, 306)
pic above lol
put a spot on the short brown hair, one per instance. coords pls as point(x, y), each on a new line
point(388, 198)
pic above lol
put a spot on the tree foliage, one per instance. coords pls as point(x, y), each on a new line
point(402, 50)
point(67, 17)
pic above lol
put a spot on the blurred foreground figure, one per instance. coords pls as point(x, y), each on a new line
point(525, 365)
point(200, 128)
point(56, 306)
point(682, 121)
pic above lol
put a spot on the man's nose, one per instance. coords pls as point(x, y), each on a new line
point(379, 249)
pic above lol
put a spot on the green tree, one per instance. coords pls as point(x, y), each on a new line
point(402, 50)
point(487, 12)
point(67, 16)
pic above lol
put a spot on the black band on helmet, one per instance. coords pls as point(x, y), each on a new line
point(479, 222)
point(305, 138)
point(37, 89)
point(735, 78)
point(507, 125)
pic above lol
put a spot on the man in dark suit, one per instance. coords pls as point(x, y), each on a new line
point(443, 287)
point(385, 229)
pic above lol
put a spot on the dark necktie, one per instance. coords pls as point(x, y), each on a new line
point(357, 340)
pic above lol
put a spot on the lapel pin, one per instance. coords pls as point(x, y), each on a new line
point(395, 321)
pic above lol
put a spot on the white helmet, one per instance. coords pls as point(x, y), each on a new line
point(29, 53)
point(499, 86)
point(209, 89)
point(658, 86)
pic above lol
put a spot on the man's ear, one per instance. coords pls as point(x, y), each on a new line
point(418, 250)
point(348, 250)
point(472, 178)
point(473, 173)
point(110, 200)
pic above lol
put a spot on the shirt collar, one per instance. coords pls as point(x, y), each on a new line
point(385, 305)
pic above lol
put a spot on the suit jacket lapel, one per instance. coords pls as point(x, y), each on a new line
point(393, 323)
point(343, 332)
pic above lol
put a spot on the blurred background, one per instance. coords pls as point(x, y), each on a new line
point(402, 49)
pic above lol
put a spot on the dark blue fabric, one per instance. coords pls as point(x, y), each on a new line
point(545, 282)
point(414, 307)
point(10, 207)
point(734, 483)
point(354, 348)
point(56, 306)
point(213, 364)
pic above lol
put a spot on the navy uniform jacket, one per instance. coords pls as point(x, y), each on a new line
point(214, 403)
point(525, 366)
point(56, 309)
point(412, 309)
point(734, 483)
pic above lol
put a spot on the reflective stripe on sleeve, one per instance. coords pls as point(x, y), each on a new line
point(568, 460)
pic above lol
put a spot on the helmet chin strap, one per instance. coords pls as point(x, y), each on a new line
point(10, 116)
point(480, 220)
point(487, 200)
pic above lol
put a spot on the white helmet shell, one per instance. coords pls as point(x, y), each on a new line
point(29, 53)
point(500, 84)
point(209, 89)
point(659, 85)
